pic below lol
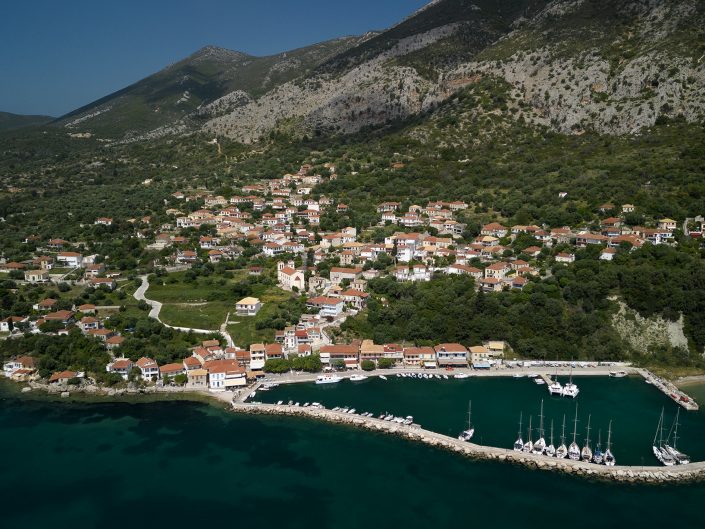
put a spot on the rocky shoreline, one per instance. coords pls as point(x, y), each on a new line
point(623, 474)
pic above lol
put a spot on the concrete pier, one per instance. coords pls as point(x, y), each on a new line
point(627, 474)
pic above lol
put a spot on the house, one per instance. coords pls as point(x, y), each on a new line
point(25, 363)
point(89, 323)
point(451, 355)
point(197, 378)
point(62, 316)
point(328, 306)
point(565, 258)
point(479, 356)
point(667, 224)
point(491, 284)
point(258, 354)
point(338, 275)
point(460, 269)
point(497, 270)
point(104, 282)
point(36, 276)
point(191, 363)
point(248, 306)
point(349, 354)
point(62, 377)
point(628, 208)
point(113, 342)
point(171, 370)
point(371, 351)
point(494, 229)
point(420, 356)
point(273, 350)
point(87, 308)
point(9, 323)
point(608, 254)
point(356, 298)
point(104, 221)
point(149, 368)
point(45, 304)
point(224, 375)
point(70, 259)
point(289, 278)
point(121, 366)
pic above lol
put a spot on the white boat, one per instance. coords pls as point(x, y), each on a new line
point(550, 449)
point(570, 390)
point(586, 452)
point(383, 377)
point(280, 402)
point(328, 379)
point(519, 443)
point(680, 457)
point(598, 457)
point(539, 381)
point(555, 388)
point(657, 447)
point(357, 378)
point(618, 374)
point(461, 375)
point(540, 445)
point(466, 435)
point(445, 377)
point(562, 450)
point(517, 375)
point(528, 445)
point(351, 411)
point(608, 458)
point(574, 449)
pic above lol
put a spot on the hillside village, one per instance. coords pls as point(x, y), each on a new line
point(277, 229)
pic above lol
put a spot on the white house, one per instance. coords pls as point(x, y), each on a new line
point(248, 307)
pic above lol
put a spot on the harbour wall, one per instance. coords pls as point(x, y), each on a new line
point(625, 474)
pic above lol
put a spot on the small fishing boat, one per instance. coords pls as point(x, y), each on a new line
point(357, 378)
point(383, 377)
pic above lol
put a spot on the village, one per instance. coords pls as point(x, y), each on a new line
point(273, 227)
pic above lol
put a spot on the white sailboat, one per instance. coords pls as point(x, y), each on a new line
point(574, 449)
point(550, 449)
point(540, 445)
point(519, 443)
point(555, 388)
point(659, 451)
point(609, 457)
point(680, 457)
point(598, 457)
point(562, 451)
point(529, 446)
point(466, 435)
point(570, 390)
point(586, 452)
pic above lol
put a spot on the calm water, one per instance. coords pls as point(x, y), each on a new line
point(179, 464)
point(442, 405)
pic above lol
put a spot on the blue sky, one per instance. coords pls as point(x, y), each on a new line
point(59, 55)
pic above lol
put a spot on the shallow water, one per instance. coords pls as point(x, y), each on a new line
point(183, 464)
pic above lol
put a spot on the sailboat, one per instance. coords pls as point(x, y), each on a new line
point(598, 456)
point(555, 388)
point(659, 451)
point(574, 449)
point(466, 435)
point(529, 446)
point(586, 453)
point(570, 389)
point(609, 457)
point(540, 445)
point(519, 443)
point(550, 449)
point(680, 457)
point(562, 451)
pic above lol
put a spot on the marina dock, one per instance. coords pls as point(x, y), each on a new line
point(670, 390)
point(631, 474)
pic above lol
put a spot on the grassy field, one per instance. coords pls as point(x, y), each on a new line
point(187, 305)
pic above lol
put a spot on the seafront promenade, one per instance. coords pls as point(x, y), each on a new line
point(630, 474)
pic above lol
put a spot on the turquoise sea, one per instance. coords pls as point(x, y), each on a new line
point(189, 464)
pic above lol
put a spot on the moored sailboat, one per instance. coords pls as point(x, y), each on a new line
point(529, 446)
point(598, 456)
point(562, 450)
point(574, 449)
point(586, 452)
point(466, 435)
point(570, 389)
point(609, 457)
point(550, 449)
point(657, 447)
point(540, 445)
point(680, 457)
point(519, 443)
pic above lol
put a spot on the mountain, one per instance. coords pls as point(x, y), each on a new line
point(9, 121)
point(612, 66)
point(182, 88)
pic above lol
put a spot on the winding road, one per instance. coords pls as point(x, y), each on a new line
point(156, 307)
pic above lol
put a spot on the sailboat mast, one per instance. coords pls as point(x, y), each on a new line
point(529, 432)
point(551, 431)
point(660, 440)
point(563, 432)
point(521, 415)
point(469, 415)
point(575, 425)
point(587, 438)
point(658, 427)
point(675, 430)
point(541, 421)
point(609, 436)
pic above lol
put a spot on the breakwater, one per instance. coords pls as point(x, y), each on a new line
point(626, 474)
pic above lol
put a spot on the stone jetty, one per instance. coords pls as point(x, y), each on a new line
point(626, 474)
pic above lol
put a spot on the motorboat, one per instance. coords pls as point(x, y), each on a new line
point(357, 378)
point(328, 379)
